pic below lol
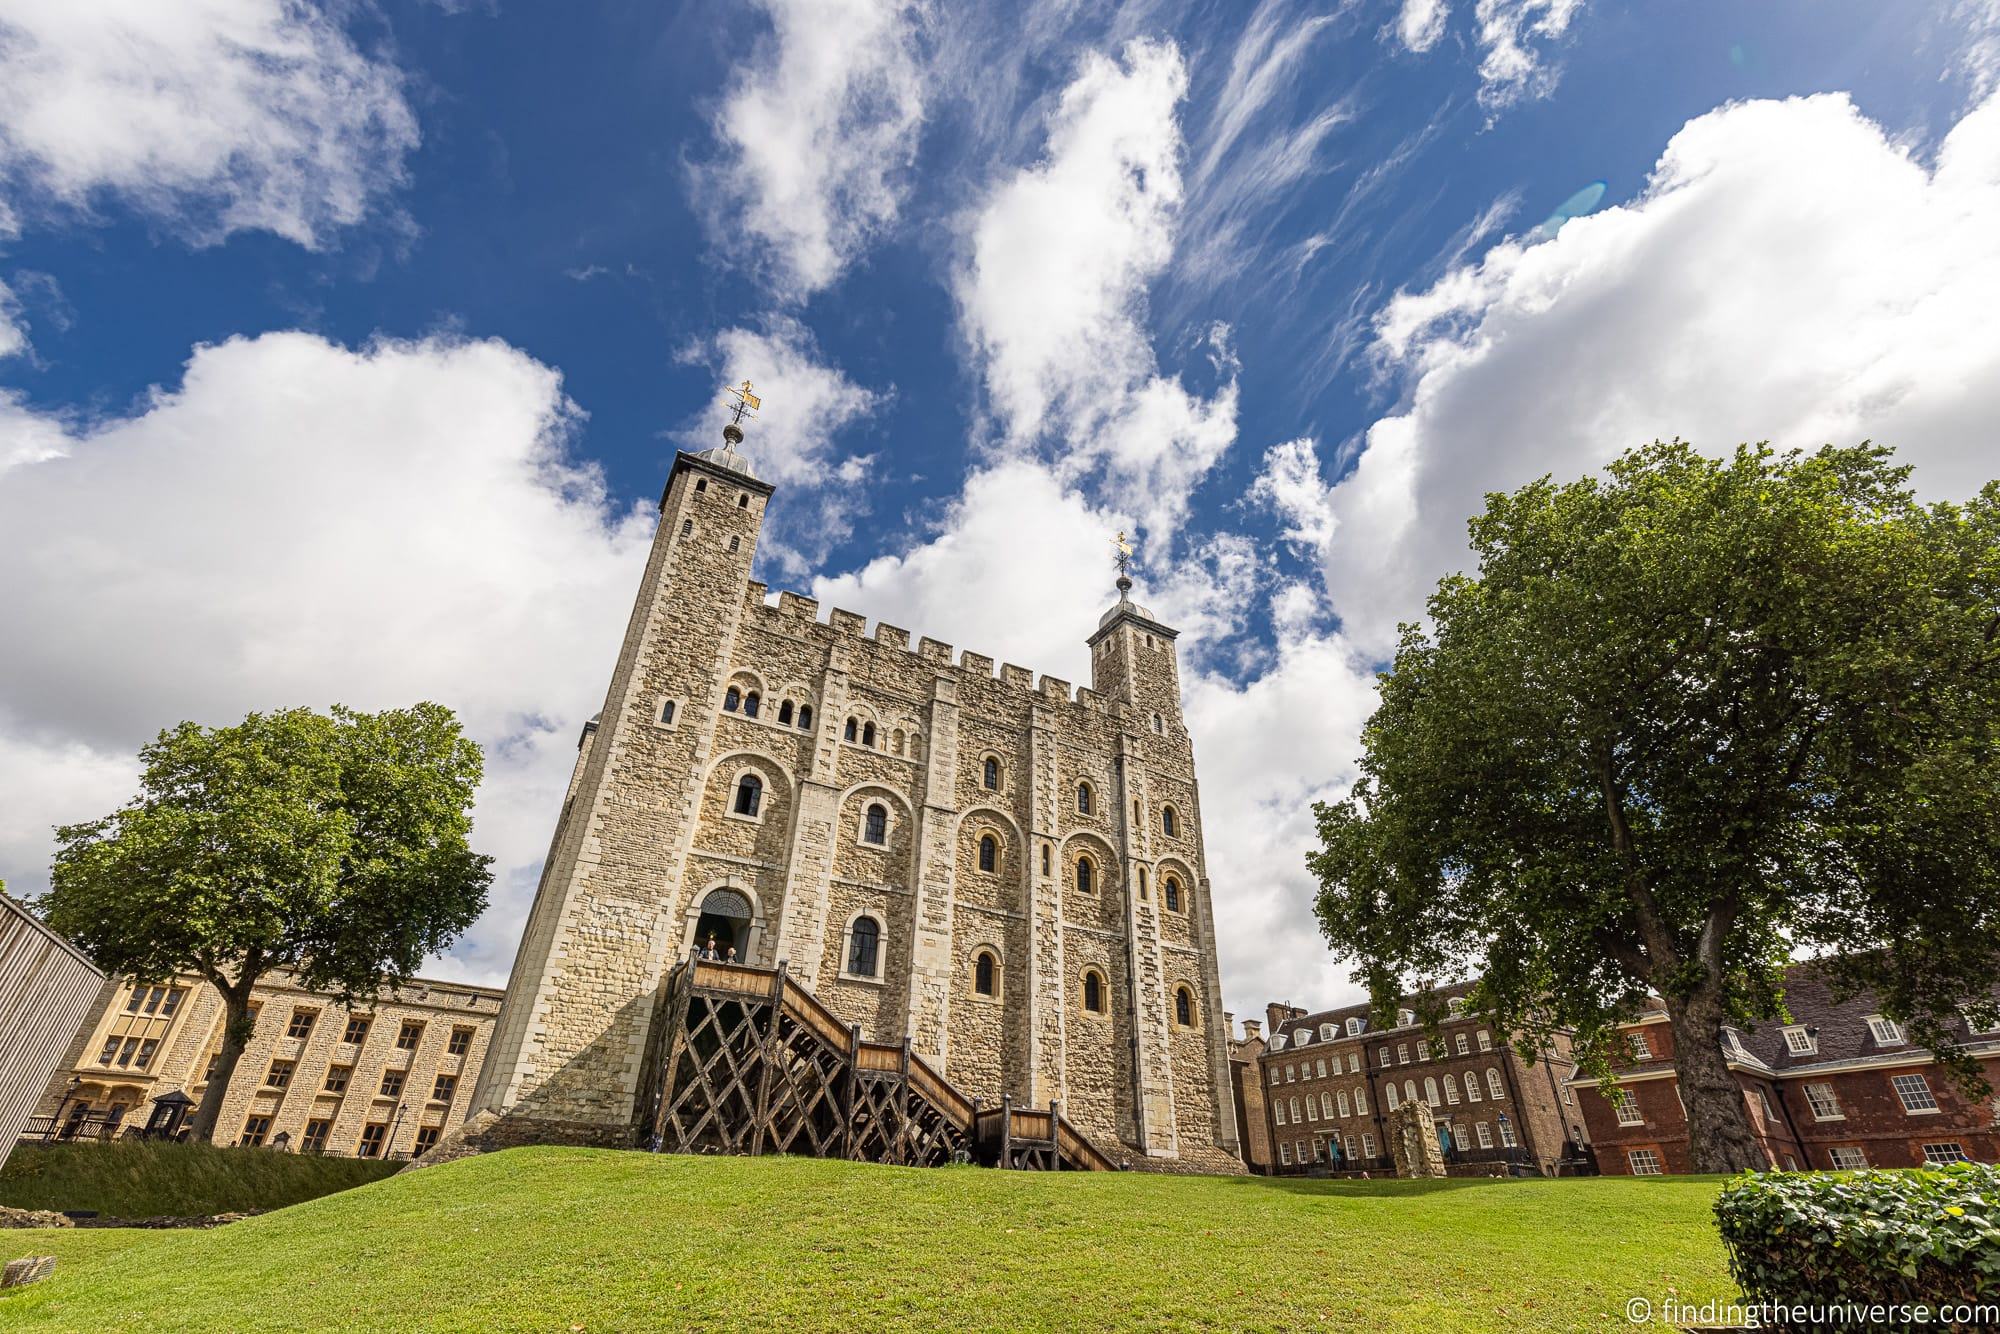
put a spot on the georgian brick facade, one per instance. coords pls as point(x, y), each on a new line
point(1246, 1083)
point(1331, 1078)
point(1838, 1087)
point(387, 1079)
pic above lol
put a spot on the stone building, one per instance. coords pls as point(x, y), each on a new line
point(1331, 1080)
point(1841, 1086)
point(1246, 1086)
point(46, 987)
point(1002, 869)
point(387, 1080)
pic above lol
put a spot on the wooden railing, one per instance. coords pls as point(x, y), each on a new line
point(708, 1002)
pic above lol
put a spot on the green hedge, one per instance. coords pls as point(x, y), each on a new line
point(1928, 1235)
point(133, 1178)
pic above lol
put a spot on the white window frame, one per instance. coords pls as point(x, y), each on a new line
point(1278, 1111)
point(1496, 1088)
point(1367, 1144)
point(1346, 1105)
point(1941, 1158)
point(1904, 1089)
point(1284, 1153)
point(1464, 1045)
point(1485, 1040)
point(1835, 1153)
point(1644, 1163)
point(1799, 1042)
point(1485, 1134)
point(1626, 1108)
point(1832, 1110)
point(1887, 1032)
point(1642, 1050)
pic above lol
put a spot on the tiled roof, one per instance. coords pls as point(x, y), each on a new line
point(1310, 1023)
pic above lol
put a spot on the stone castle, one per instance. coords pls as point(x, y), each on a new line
point(1006, 872)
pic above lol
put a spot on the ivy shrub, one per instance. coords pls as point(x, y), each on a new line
point(1927, 1235)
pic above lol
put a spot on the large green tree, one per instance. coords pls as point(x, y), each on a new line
point(333, 846)
point(1689, 721)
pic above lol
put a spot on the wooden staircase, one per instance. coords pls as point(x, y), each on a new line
point(750, 1062)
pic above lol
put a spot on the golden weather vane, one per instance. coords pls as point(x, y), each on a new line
point(1122, 548)
point(747, 403)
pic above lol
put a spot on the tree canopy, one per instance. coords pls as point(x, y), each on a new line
point(334, 846)
point(1687, 722)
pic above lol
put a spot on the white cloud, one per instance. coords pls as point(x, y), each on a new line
point(1515, 37)
point(807, 403)
point(819, 129)
point(13, 333)
point(1291, 485)
point(1421, 22)
point(301, 523)
point(212, 115)
point(1789, 273)
point(1053, 295)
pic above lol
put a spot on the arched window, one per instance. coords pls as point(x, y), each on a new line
point(749, 794)
point(1431, 1092)
point(1086, 876)
point(1173, 893)
point(1326, 1105)
point(1083, 798)
point(1409, 1090)
point(732, 700)
point(1471, 1087)
point(667, 712)
point(863, 946)
point(985, 976)
point(868, 735)
point(785, 714)
point(853, 729)
point(1493, 1083)
point(1184, 1007)
point(916, 745)
point(701, 484)
point(1045, 859)
point(743, 501)
point(1093, 993)
point(875, 824)
point(1142, 882)
point(805, 717)
point(735, 543)
point(989, 775)
point(1169, 822)
point(896, 742)
point(1158, 726)
point(1394, 1101)
point(989, 853)
point(687, 527)
point(751, 703)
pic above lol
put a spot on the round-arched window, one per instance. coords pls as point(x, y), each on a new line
point(749, 794)
point(990, 775)
point(1086, 876)
point(864, 946)
point(732, 700)
point(1093, 993)
point(1169, 822)
point(868, 735)
point(875, 824)
point(1083, 798)
point(853, 730)
point(985, 976)
point(1184, 1007)
point(989, 853)
point(1173, 893)
point(751, 703)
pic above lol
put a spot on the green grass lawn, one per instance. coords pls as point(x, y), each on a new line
point(571, 1239)
point(143, 1178)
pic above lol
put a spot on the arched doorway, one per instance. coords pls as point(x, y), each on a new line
point(725, 916)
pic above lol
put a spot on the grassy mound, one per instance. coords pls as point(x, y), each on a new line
point(143, 1178)
point(569, 1239)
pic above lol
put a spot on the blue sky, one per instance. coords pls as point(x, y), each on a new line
point(343, 349)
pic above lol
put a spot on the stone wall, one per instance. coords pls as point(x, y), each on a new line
point(955, 752)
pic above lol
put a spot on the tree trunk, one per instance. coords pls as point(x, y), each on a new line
point(236, 1026)
point(1720, 1137)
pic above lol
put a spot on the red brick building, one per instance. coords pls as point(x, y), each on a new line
point(1246, 1085)
point(1330, 1078)
point(1840, 1086)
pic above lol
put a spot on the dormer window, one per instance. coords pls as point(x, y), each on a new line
point(1456, 1005)
point(1799, 1041)
point(1404, 1018)
point(1887, 1031)
point(1354, 1027)
point(1278, 1042)
point(1328, 1032)
point(1303, 1037)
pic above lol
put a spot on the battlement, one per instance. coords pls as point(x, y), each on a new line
point(797, 615)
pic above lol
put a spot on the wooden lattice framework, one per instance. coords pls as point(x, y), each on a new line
point(750, 1062)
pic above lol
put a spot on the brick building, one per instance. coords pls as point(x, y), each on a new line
point(1004, 870)
point(1840, 1086)
point(384, 1081)
point(1246, 1087)
point(1329, 1079)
